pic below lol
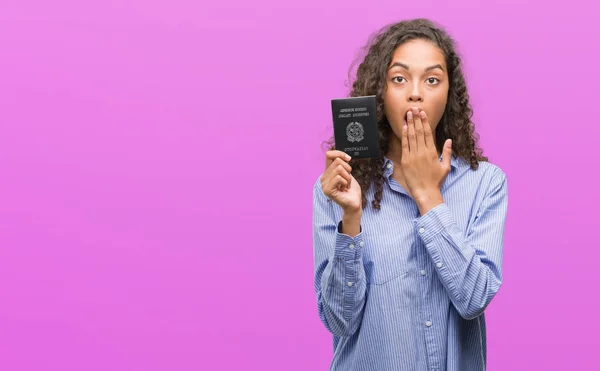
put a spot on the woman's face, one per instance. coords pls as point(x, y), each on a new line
point(417, 77)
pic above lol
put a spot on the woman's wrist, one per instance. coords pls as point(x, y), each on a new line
point(351, 222)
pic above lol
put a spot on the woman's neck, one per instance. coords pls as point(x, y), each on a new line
point(394, 152)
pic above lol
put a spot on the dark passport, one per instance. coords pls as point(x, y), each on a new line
point(355, 126)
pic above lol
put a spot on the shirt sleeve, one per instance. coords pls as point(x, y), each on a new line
point(469, 265)
point(339, 276)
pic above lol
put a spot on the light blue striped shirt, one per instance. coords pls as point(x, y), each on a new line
point(409, 292)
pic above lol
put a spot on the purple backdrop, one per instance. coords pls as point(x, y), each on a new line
point(157, 159)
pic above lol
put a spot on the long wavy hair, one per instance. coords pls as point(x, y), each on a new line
point(370, 79)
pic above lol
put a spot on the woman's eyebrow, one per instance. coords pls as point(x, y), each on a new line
point(398, 64)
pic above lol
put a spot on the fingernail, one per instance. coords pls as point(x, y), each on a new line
point(423, 114)
point(409, 115)
point(416, 110)
point(348, 157)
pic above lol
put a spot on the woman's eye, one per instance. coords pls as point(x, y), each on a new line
point(395, 79)
point(433, 80)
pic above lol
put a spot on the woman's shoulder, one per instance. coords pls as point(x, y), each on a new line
point(483, 168)
point(486, 175)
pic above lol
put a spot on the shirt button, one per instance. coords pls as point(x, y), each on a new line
point(428, 323)
point(361, 244)
point(421, 230)
point(351, 246)
point(439, 265)
point(389, 166)
point(422, 272)
point(350, 284)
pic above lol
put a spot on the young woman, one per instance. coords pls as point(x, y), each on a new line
point(408, 247)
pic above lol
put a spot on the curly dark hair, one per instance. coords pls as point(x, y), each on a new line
point(370, 79)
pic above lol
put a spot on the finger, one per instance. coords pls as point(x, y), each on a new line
point(334, 171)
point(447, 154)
point(337, 162)
point(336, 183)
point(420, 134)
point(404, 141)
point(341, 170)
point(330, 156)
point(428, 133)
point(412, 138)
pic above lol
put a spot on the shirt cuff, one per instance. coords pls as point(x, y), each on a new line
point(346, 247)
point(443, 239)
point(434, 222)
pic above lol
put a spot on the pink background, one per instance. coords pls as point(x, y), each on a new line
point(157, 159)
